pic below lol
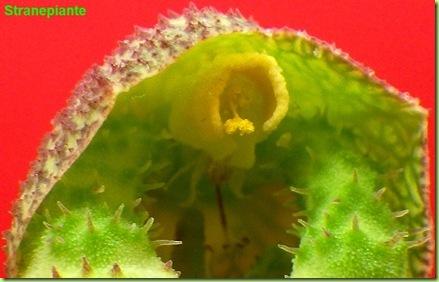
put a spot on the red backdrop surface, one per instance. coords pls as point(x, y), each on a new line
point(42, 59)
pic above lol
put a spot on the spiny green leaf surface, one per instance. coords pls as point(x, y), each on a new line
point(350, 231)
point(94, 243)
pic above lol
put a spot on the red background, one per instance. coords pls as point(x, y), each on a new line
point(42, 59)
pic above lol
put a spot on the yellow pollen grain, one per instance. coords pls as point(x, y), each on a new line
point(243, 126)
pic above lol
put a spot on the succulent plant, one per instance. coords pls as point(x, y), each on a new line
point(242, 143)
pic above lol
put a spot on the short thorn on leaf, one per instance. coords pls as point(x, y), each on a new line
point(116, 271)
point(90, 224)
point(336, 201)
point(159, 243)
point(396, 238)
point(118, 213)
point(47, 225)
point(168, 264)
point(148, 224)
point(86, 268)
point(288, 249)
point(355, 223)
point(300, 191)
point(420, 230)
point(400, 213)
point(404, 234)
point(137, 202)
point(379, 193)
point(63, 208)
point(55, 273)
point(355, 176)
point(417, 243)
point(99, 189)
point(59, 240)
point(303, 223)
point(326, 232)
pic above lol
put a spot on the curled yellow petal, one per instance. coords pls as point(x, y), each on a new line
point(238, 100)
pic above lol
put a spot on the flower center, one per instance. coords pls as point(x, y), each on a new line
point(237, 101)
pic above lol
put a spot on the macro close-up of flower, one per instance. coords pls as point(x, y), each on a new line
point(218, 140)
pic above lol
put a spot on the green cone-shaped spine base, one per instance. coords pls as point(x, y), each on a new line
point(94, 242)
point(350, 231)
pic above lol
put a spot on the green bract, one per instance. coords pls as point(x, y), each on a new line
point(241, 143)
